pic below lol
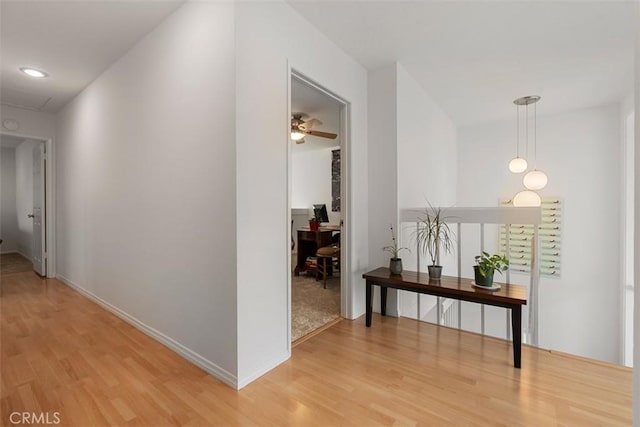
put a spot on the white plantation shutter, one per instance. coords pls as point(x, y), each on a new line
point(550, 235)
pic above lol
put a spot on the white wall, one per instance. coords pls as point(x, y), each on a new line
point(8, 212)
point(636, 340)
point(383, 171)
point(24, 196)
point(383, 162)
point(412, 159)
point(311, 180)
point(427, 153)
point(627, 229)
point(580, 152)
point(146, 186)
point(269, 37)
point(427, 169)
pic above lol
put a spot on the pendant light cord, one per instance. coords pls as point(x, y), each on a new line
point(535, 137)
point(517, 131)
point(527, 127)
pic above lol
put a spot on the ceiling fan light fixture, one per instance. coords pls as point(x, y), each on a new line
point(297, 135)
point(32, 72)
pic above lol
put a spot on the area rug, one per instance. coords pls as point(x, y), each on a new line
point(14, 263)
point(312, 306)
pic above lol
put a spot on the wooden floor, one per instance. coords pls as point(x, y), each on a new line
point(62, 353)
point(14, 263)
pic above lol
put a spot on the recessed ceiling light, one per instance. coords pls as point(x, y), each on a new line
point(33, 72)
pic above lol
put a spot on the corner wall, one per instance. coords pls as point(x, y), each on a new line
point(412, 159)
point(427, 172)
point(383, 162)
point(427, 148)
point(146, 187)
point(270, 37)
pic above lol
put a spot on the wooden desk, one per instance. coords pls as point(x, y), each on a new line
point(309, 242)
point(509, 296)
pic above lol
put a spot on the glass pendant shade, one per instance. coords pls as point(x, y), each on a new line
point(296, 136)
point(518, 165)
point(526, 199)
point(535, 180)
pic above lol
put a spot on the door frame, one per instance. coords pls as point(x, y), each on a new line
point(346, 296)
point(49, 197)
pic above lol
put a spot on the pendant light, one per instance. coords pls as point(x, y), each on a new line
point(527, 198)
point(517, 164)
point(535, 179)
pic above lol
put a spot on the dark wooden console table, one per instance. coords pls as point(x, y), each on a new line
point(509, 296)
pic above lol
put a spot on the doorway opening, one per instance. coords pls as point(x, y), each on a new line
point(318, 161)
point(25, 239)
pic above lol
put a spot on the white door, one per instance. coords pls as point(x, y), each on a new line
point(39, 237)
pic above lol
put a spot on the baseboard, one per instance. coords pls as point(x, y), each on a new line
point(193, 357)
point(242, 382)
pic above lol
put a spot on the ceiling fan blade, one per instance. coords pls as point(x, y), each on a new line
point(311, 123)
point(322, 134)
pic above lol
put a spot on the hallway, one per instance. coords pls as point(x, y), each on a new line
point(14, 263)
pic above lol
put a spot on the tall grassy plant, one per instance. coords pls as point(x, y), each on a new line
point(434, 235)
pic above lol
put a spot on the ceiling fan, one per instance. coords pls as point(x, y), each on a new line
point(301, 128)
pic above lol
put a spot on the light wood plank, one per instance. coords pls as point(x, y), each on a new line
point(61, 352)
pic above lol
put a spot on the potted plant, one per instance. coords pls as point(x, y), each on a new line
point(314, 223)
point(486, 265)
point(395, 263)
point(434, 237)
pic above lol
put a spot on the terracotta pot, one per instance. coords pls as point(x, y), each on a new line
point(314, 225)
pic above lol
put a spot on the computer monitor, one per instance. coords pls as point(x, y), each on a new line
point(320, 211)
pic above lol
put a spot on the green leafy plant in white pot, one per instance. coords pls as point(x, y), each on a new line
point(395, 263)
point(486, 266)
point(434, 238)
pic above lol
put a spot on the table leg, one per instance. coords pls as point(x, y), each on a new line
point(383, 300)
point(369, 302)
point(516, 326)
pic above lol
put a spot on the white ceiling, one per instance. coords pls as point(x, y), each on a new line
point(476, 57)
point(73, 41)
point(473, 57)
point(305, 99)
